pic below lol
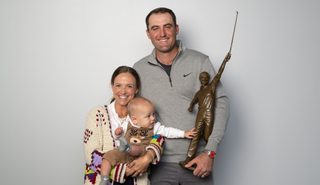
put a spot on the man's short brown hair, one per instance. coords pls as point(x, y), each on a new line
point(161, 10)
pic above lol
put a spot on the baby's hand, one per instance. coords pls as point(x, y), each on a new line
point(190, 134)
point(118, 131)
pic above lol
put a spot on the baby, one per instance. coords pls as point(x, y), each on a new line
point(140, 130)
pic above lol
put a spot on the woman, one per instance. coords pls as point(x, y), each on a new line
point(99, 136)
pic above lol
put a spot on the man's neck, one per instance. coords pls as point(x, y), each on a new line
point(167, 58)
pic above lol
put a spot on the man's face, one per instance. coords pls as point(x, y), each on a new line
point(162, 32)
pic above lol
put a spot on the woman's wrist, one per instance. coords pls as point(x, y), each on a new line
point(150, 154)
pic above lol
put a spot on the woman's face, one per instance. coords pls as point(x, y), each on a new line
point(124, 88)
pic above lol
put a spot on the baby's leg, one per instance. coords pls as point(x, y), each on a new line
point(128, 148)
point(105, 171)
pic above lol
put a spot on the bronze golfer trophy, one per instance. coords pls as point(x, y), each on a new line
point(205, 97)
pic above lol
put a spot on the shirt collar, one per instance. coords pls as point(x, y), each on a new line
point(152, 57)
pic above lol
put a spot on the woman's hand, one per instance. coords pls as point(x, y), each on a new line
point(140, 165)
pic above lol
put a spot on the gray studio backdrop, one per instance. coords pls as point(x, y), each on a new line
point(56, 59)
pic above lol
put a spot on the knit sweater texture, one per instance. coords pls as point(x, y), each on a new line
point(98, 139)
point(172, 95)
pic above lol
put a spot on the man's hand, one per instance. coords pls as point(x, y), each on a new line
point(204, 165)
point(118, 131)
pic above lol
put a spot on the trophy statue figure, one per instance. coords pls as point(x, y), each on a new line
point(206, 99)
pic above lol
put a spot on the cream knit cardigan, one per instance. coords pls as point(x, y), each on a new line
point(98, 139)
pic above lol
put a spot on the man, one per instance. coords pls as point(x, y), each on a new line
point(170, 79)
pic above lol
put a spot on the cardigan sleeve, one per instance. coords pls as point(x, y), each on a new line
point(93, 140)
point(93, 147)
point(157, 145)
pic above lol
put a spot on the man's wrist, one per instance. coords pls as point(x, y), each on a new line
point(210, 153)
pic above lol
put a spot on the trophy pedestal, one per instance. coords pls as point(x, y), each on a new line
point(183, 163)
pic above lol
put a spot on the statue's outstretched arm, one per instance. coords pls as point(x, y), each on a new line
point(216, 79)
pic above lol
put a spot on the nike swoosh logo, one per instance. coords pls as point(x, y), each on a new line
point(185, 75)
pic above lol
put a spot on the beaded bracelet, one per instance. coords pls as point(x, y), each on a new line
point(151, 154)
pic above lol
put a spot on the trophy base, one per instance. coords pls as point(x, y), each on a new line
point(183, 163)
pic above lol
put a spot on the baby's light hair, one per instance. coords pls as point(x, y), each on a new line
point(133, 105)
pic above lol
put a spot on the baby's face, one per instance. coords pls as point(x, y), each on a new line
point(146, 116)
